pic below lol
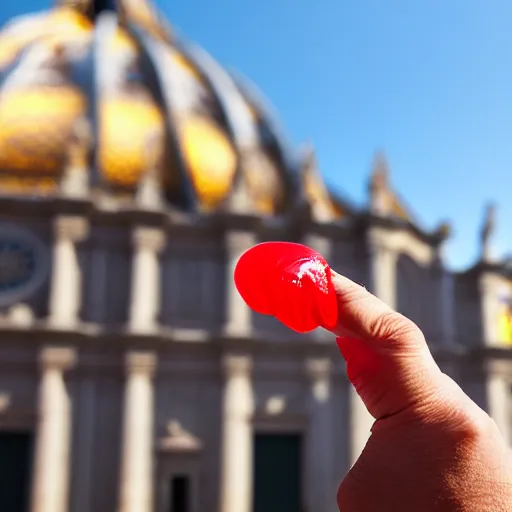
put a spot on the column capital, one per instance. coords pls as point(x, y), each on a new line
point(490, 283)
point(235, 365)
point(320, 243)
point(144, 237)
point(141, 363)
point(376, 248)
point(375, 238)
point(58, 358)
point(239, 241)
point(318, 369)
point(71, 227)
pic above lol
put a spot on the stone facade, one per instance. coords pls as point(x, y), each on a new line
point(134, 172)
point(135, 359)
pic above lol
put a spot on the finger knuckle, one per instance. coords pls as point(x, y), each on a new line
point(476, 425)
point(393, 325)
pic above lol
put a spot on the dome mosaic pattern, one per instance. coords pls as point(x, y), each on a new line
point(153, 104)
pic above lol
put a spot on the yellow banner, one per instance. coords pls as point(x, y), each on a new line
point(505, 319)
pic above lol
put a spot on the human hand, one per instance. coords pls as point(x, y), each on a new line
point(431, 448)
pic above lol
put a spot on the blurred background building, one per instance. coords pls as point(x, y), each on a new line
point(134, 171)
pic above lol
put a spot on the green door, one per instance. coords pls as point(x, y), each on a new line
point(277, 473)
point(15, 463)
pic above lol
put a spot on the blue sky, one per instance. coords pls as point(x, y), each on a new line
point(428, 82)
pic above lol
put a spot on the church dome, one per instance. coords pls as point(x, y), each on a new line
point(103, 97)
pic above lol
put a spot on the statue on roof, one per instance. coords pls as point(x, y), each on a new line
point(317, 194)
point(380, 171)
point(75, 178)
point(380, 198)
point(150, 188)
point(487, 232)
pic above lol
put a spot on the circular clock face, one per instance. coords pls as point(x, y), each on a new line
point(23, 264)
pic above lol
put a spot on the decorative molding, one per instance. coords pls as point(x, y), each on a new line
point(21, 315)
point(150, 238)
point(58, 358)
point(318, 369)
point(179, 440)
point(499, 368)
point(237, 242)
point(71, 227)
point(237, 365)
point(138, 362)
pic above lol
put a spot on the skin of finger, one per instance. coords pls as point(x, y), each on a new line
point(434, 436)
point(364, 316)
point(388, 360)
point(439, 453)
point(388, 385)
point(443, 459)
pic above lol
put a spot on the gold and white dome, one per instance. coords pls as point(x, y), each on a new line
point(102, 94)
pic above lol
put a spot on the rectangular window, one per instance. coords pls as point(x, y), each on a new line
point(180, 493)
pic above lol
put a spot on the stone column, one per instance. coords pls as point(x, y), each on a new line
point(237, 440)
point(53, 438)
point(136, 493)
point(499, 398)
point(383, 261)
point(66, 285)
point(490, 287)
point(382, 267)
point(498, 375)
point(145, 291)
point(238, 315)
point(360, 424)
point(320, 244)
point(321, 484)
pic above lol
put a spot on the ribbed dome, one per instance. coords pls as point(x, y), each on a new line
point(102, 96)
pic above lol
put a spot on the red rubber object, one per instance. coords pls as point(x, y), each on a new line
point(290, 282)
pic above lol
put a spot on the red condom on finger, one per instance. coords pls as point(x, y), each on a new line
point(290, 282)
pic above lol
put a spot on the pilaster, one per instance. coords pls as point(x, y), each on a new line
point(237, 442)
point(321, 488)
point(66, 285)
point(136, 493)
point(238, 314)
point(52, 468)
point(148, 243)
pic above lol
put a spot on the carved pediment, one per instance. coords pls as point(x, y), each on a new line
point(179, 440)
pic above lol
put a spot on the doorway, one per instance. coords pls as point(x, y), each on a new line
point(277, 473)
point(179, 492)
point(15, 470)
